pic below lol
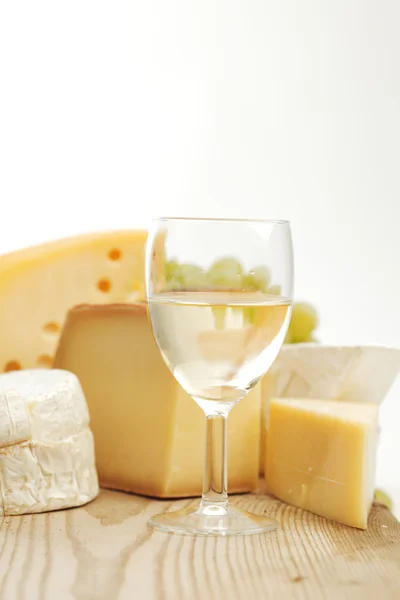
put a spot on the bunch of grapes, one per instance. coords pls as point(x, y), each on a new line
point(228, 273)
point(225, 273)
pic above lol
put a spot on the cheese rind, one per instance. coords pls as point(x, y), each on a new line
point(35, 477)
point(320, 456)
point(353, 373)
point(149, 433)
point(39, 285)
point(46, 449)
point(40, 405)
point(14, 418)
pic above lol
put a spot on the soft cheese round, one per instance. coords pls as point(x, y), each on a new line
point(37, 477)
point(41, 405)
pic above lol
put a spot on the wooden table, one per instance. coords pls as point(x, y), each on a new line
point(105, 551)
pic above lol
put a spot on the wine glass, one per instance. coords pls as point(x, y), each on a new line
point(219, 294)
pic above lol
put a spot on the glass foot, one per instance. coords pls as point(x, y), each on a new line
point(211, 519)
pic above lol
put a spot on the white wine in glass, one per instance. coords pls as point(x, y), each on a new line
point(219, 295)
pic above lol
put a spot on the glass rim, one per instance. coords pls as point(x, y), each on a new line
point(224, 220)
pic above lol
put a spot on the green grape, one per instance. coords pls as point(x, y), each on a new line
point(227, 273)
point(173, 284)
point(274, 290)
point(228, 264)
point(303, 322)
point(249, 315)
point(180, 276)
point(288, 338)
point(192, 276)
point(257, 279)
point(219, 313)
point(187, 270)
point(381, 497)
point(197, 281)
point(170, 269)
point(311, 339)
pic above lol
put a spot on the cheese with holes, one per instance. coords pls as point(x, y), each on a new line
point(349, 373)
point(46, 447)
point(39, 285)
point(149, 433)
point(320, 456)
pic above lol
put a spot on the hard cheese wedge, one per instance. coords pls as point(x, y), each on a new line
point(320, 456)
point(39, 285)
point(149, 433)
point(46, 447)
point(347, 373)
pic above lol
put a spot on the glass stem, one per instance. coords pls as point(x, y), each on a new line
point(215, 478)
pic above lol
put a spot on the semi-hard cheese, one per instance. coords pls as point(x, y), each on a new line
point(39, 285)
point(348, 373)
point(46, 447)
point(149, 433)
point(320, 456)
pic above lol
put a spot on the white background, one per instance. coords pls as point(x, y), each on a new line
point(111, 112)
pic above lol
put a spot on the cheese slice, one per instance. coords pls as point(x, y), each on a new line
point(320, 456)
point(36, 477)
point(149, 433)
point(349, 373)
point(39, 285)
point(41, 405)
point(46, 448)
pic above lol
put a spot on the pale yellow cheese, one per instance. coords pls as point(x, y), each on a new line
point(320, 456)
point(266, 385)
point(39, 285)
point(149, 434)
point(343, 373)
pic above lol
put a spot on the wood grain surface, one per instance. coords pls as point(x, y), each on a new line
point(105, 551)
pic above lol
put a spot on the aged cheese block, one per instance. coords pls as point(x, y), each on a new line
point(39, 285)
point(320, 456)
point(46, 448)
point(149, 433)
point(349, 373)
